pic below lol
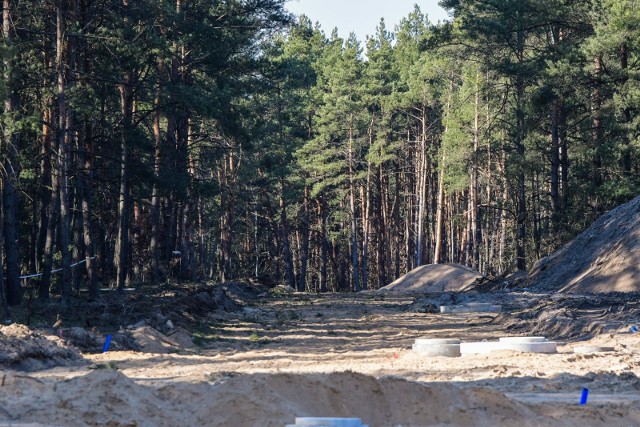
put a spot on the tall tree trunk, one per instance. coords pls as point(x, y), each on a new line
point(564, 163)
point(45, 188)
point(421, 191)
point(323, 244)
point(52, 224)
point(381, 230)
point(474, 214)
point(441, 205)
point(365, 200)
point(596, 129)
point(626, 114)
point(122, 245)
point(502, 265)
point(286, 245)
point(9, 173)
point(63, 160)
point(78, 250)
point(154, 249)
point(352, 207)
point(437, 256)
point(304, 249)
point(3, 291)
point(556, 204)
point(521, 207)
point(227, 176)
point(396, 220)
point(88, 232)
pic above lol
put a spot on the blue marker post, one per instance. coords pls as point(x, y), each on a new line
point(585, 396)
point(634, 329)
point(106, 344)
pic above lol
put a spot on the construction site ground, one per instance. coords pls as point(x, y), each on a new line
point(349, 355)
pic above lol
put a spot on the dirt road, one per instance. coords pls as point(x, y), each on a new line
point(340, 355)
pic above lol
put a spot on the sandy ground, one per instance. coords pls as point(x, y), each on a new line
point(337, 355)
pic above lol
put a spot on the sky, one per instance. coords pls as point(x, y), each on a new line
point(362, 16)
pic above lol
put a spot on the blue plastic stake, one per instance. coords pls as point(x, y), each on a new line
point(585, 395)
point(106, 344)
point(634, 329)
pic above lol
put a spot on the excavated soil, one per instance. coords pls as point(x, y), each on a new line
point(25, 349)
point(436, 278)
point(605, 258)
point(350, 356)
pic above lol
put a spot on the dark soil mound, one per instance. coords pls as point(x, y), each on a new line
point(605, 258)
point(24, 349)
point(573, 317)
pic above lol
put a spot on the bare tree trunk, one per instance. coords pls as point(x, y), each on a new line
point(10, 172)
point(521, 207)
point(381, 222)
point(475, 219)
point(78, 249)
point(365, 200)
point(396, 221)
point(421, 191)
point(596, 130)
point(154, 249)
point(122, 245)
point(304, 249)
point(352, 207)
point(626, 113)
point(440, 206)
point(227, 176)
point(64, 141)
point(286, 245)
point(45, 192)
point(88, 232)
point(555, 162)
point(323, 244)
point(502, 265)
point(49, 245)
point(3, 291)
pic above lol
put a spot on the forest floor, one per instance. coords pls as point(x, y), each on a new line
point(270, 358)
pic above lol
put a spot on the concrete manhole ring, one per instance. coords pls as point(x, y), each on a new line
point(586, 349)
point(432, 350)
point(436, 341)
point(522, 339)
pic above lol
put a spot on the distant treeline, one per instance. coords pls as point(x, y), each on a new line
point(225, 139)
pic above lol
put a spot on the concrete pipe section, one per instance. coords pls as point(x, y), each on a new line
point(447, 347)
point(522, 340)
point(327, 422)
point(522, 344)
point(587, 349)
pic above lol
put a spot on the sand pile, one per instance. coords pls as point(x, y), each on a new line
point(107, 397)
point(436, 278)
point(605, 258)
point(24, 349)
point(149, 340)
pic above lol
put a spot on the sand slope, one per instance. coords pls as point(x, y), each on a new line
point(435, 278)
point(107, 397)
point(605, 258)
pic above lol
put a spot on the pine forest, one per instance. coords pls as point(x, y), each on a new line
point(152, 140)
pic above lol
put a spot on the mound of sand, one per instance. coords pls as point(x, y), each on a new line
point(24, 349)
point(436, 278)
point(605, 258)
point(107, 397)
point(150, 340)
